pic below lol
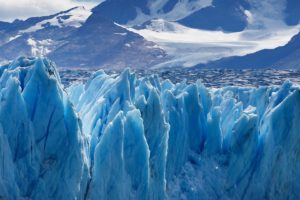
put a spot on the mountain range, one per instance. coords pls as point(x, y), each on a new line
point(78, 38)
point(168, 33)
point(229, 15)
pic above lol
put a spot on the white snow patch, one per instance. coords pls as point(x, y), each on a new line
point(13, 38)
point(249, 15)
point(78, 17)
point(187, 46)
point(123, 34)
point(74, 18)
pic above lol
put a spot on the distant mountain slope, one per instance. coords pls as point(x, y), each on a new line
point(39, 35)
point(100, 42)
point(61, 19)
point(136, 12)
point(73, 39)
point(287, 56)
point(226, 15)
point(229, 15)
point(158, 33)
point(122, 11)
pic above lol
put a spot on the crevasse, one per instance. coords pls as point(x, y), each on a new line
point(142, 138)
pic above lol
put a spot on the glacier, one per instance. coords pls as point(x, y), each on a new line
point(41, 140)
point(129, 137)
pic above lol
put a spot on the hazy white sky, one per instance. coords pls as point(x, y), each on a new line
point(22, 9)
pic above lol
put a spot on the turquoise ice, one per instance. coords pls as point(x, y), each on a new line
point(129, 137)
point(42, 146)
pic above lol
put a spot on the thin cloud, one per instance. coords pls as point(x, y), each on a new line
point(23, 9)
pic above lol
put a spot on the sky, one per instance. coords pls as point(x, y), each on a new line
point(23, 9)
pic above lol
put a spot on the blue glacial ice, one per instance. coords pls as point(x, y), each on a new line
point(41, 142)
point(143, 138)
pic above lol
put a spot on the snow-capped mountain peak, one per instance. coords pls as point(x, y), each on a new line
point(69, 37)
point(74, 17)
point(41, 34)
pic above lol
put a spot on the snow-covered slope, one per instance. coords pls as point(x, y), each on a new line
point(102, 43)
point(41, 35)
point(77, 38)
point(287, 56)
point(168, 33)
point(72, 18)
point(209, 30)
point(187, 47)
point(140, 138)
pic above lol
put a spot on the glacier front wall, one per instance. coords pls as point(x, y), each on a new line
point(42, 149)
point(142, 138)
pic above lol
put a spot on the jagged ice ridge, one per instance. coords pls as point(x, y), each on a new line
point(141, 138)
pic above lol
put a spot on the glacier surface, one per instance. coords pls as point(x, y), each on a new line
point(126, 137)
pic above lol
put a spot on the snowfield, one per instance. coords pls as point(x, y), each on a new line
point(188, 47)
point(124, 137)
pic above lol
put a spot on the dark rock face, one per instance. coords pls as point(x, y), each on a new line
point(121, 11)
point(292, 12)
